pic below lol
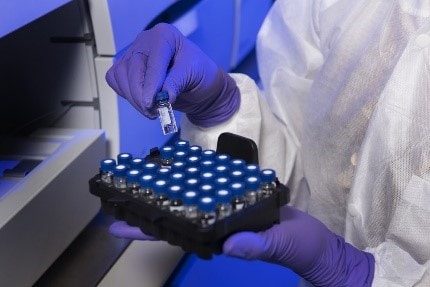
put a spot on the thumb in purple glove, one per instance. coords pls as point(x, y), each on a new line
point(303, 244)
point(162, 58)
point(121, 229)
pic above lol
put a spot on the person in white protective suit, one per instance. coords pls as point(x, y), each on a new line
point(343, 117)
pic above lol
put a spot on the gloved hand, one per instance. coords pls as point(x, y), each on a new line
point(303, 244)
point(162, 58)
point(121, 229)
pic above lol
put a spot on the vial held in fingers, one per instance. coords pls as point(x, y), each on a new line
point(165, 113)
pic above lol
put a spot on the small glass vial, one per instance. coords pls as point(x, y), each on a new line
point(193, 161)
point(207, 211)
point(119, 176)
point(195, 150)
point(252, 170)
point(207, 165)
point(268, 184)
point(175, 196)
point(166, 156)
point(222, 170)
point(207, 189)
point(106, 170)
point(237, 175)
point(192, 183)
point(177, 178)
point(238, 200)
point(178, 166)
point(163, 173)
point(133, 181)
point(190, 201)
point(222, 159)
point(165, 113)
point(221, 182)
point(124, 158)
point(223, 199)
point(208, 154)
point(146, 191)
point(237, 164)
point(137, 163)
point(253, 191)
point(192, 172)
point(149, 168)
point(207, 177)
point(182, 145)
point(180, 155)
point(160, 193)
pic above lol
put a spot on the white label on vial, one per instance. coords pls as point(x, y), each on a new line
point(164, 116)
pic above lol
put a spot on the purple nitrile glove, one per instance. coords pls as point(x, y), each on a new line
point(121, 229)
point(303, 244)
point(162, 58)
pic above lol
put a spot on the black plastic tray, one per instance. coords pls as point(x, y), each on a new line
point(180, 231)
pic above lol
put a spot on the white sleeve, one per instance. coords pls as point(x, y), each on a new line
point(253, 120)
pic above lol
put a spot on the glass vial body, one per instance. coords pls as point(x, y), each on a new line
point(253, 191)
point(106, 170)
point(224, 208)
point(207, 213)
point(166, 156)
point(133, 181)
point(238, 200)
point(165, 113)
point(146, 192)
point(190, 201)
point(119, 176)
point(160, 193)
point(268, 184)
point(175, 196)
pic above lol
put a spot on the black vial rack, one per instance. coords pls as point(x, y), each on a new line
point(204, 240)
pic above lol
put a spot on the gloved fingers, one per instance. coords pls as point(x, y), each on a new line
point(136, 74)
point(245, 245)
point(121, 229)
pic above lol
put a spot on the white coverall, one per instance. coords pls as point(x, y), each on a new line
point(344, 119)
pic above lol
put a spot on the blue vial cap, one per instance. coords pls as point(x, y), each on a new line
point(124, 158)
point(190, 197)
point(222, 159)
point(133, 175)
point(178, 166)
point(146, 180)
point(180, 155)
point(195, 150)
point(137, 163)
point(182, 145)
point(237, 175)
point(207, 204)
point(267, 175)
point(252, 183)
point(252, 170)
point(237, 164)
point(161, 96)
point(207, 165)
point(222, 170)
point(192, 171)
point(163, 173)
point(166, 152)
point(192, 183)
point(206, 189)
point(207, 176)
point(177, 178)
point(221, 182)
point(223, 196)
point(107, 164)
point(237, 188)
point(160, 186)
point(120, 170)
point(208, 154)
point(149, 168)
point(193, 160)
point(175, 191)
